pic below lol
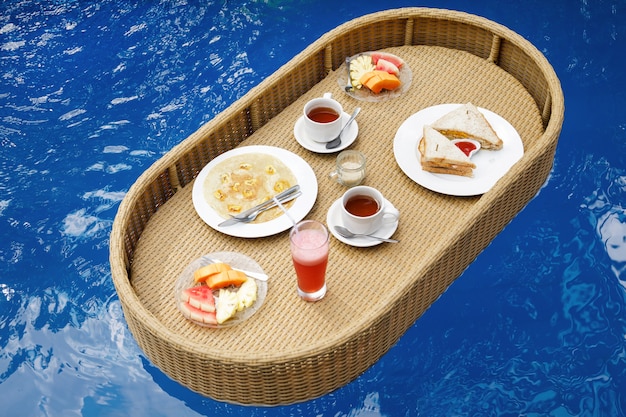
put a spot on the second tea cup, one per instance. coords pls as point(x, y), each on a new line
point(364, 210)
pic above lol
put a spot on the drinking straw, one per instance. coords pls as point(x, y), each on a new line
point(284, 211)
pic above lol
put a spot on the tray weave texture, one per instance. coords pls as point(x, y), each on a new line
point(291, 350)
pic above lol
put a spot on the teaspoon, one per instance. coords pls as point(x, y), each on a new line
point(348, 234)
point(337, 141)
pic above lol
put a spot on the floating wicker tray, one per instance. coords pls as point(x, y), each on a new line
point(290, 350)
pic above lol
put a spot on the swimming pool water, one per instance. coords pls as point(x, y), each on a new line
point(92, 93)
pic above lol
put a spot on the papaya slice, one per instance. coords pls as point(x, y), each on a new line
point(202, 274)
point(390, 82)
point(367, 77)
point(225, 279)
point(378, 81)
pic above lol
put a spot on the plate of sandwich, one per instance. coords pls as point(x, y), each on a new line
point(457, 149)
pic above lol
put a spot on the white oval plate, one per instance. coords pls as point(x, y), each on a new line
point(490, 165)
point(302, 171)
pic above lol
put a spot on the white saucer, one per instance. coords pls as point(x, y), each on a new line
point(348, 136)
point(333, 218)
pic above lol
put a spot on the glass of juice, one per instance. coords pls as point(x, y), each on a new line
point(309, 252)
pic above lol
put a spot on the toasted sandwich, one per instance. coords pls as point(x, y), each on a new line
point(467, 122)
point(440, 156)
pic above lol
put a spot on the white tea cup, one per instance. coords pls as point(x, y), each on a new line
point(349, 169)
point(322, 118)
point(364, 210)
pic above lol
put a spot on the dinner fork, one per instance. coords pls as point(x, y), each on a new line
point(256, 275)
point(250, 215)
point(349, 87)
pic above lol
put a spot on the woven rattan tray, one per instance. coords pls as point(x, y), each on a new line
point(291, 350)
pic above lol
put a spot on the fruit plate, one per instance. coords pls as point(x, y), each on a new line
point(364, 94)
point(236, 260)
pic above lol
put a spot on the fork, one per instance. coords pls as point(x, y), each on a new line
point(256, 275)
point(247, 217)
point(348, 86)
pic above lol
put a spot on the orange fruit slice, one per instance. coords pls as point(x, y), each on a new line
point(225, 279)
point(202, 274)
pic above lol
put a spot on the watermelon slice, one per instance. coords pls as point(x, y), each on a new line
point(197, 315)
point(388, 66)
point(199, 297)
point(395, 60)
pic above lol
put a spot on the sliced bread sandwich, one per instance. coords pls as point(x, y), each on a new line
point(439, 155)
point(467, 122)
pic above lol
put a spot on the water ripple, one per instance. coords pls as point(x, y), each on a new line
point(92, 93)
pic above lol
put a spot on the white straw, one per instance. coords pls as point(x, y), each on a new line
point(284, 210)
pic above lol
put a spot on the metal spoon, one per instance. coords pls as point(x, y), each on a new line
point(337, 141)
point(348, 234)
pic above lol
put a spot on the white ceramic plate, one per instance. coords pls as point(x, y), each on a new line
point(333, 218)
point(365, 94)
point(234, 259)
point(347, 137)
point(490, 165)
point(304, 175)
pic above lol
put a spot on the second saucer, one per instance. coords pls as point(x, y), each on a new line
point(333, 218)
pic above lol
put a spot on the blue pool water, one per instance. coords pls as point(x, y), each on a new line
point(93, 92)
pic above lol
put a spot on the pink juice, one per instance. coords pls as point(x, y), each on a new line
point(309, 251)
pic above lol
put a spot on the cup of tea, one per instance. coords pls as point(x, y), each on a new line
point(349, 169)
point(309, 241)
point(322, 118)
point(364, 210)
